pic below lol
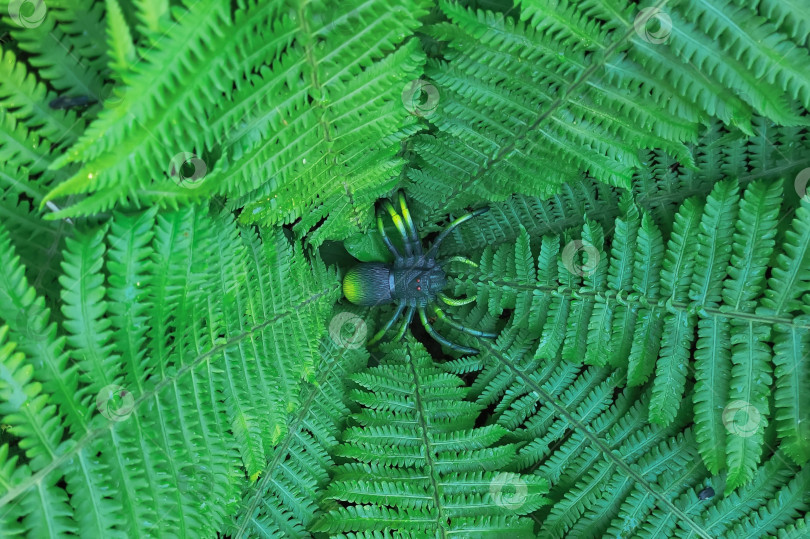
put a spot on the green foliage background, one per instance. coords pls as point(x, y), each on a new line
point(174, 354)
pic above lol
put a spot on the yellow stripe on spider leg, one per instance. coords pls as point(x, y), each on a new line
point(406, 214)
point(455, 302)
point(384, 235)
point(462, 259)
point(397, 222)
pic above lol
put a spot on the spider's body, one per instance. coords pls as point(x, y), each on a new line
point(65, 102)
point(414, 281)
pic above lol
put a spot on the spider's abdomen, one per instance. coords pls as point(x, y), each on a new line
point(368, 284)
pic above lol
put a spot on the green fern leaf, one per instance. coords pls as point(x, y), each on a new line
point(198, 331)
point(670, 371)
point(284, 502)
point(35, 422)
point(122, 49)
point(790, 278)
point(646, 272)
point(423, 467)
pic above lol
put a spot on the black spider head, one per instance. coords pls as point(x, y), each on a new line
point(418, 284)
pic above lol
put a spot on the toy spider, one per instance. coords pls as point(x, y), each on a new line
point(414, 281)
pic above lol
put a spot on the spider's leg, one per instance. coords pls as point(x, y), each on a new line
point(406, 215)
point(462, 259)
point(466, 217)
point(379, 335)
point(385, 237)
point(435, 334)
point(405, 323)
point(441, 315)
point(453, 302)
point(400, 226)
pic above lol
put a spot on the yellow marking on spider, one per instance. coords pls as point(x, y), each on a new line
point(352, 287)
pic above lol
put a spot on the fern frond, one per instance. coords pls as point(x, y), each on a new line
point(171, 369)
point(28, 318)
point(562, 210)
point(276, 101)
point(670, 371)
point(154, 17)
point(38, 242)
point(789, 16)
point(790, 278)
point(121, 47)
point(593, 269)
point(484, 67)
point(772, 475)
point(555, 65)
point(27, 98)
point(720, 290)
point(84, 308)
point(198, 331)
point(421, 465)
point(20, 147)
point(754, 42)
point(284, 502)
point(788, 504)
point(64, 42)
point(604, 490)
point(606, 344)
point(36, 424)
point(647, 265)
point(579, 500)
